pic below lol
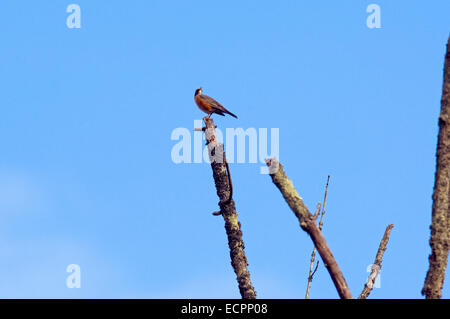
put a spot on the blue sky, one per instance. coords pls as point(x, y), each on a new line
point(86, 175)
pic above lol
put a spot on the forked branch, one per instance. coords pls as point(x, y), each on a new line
point(308, 224)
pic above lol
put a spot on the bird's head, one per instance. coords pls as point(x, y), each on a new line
point(198, 91)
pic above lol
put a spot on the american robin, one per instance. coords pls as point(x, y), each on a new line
point(209, 105)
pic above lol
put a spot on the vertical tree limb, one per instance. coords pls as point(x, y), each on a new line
point(308, 224)
point(228, 211)
point(313, 254)
point(440, 225)
point(376, 267)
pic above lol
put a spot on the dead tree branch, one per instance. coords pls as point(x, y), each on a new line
point(376, 267)
point(440, 225)
point(308, 224)
point(222, 181)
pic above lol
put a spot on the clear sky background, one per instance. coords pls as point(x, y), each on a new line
point(86, 175)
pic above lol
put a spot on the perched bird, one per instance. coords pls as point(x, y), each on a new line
point(209, 105)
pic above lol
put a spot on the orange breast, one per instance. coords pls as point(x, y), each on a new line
point(203, 105)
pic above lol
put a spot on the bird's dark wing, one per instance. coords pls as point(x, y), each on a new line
point(218, 108)
point(212, 102)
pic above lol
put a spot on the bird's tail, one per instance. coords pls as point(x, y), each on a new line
point(228, 112)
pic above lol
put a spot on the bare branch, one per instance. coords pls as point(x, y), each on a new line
point(376, 267)
point(440, 224)
point(308, 224)
point(222, 179)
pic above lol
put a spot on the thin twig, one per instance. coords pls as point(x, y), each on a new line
point(316, 214)
point(376, 267)
point(308, 224)
point(315, 269)
point(311, 272)
point(324, 203)
point(313, 254)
